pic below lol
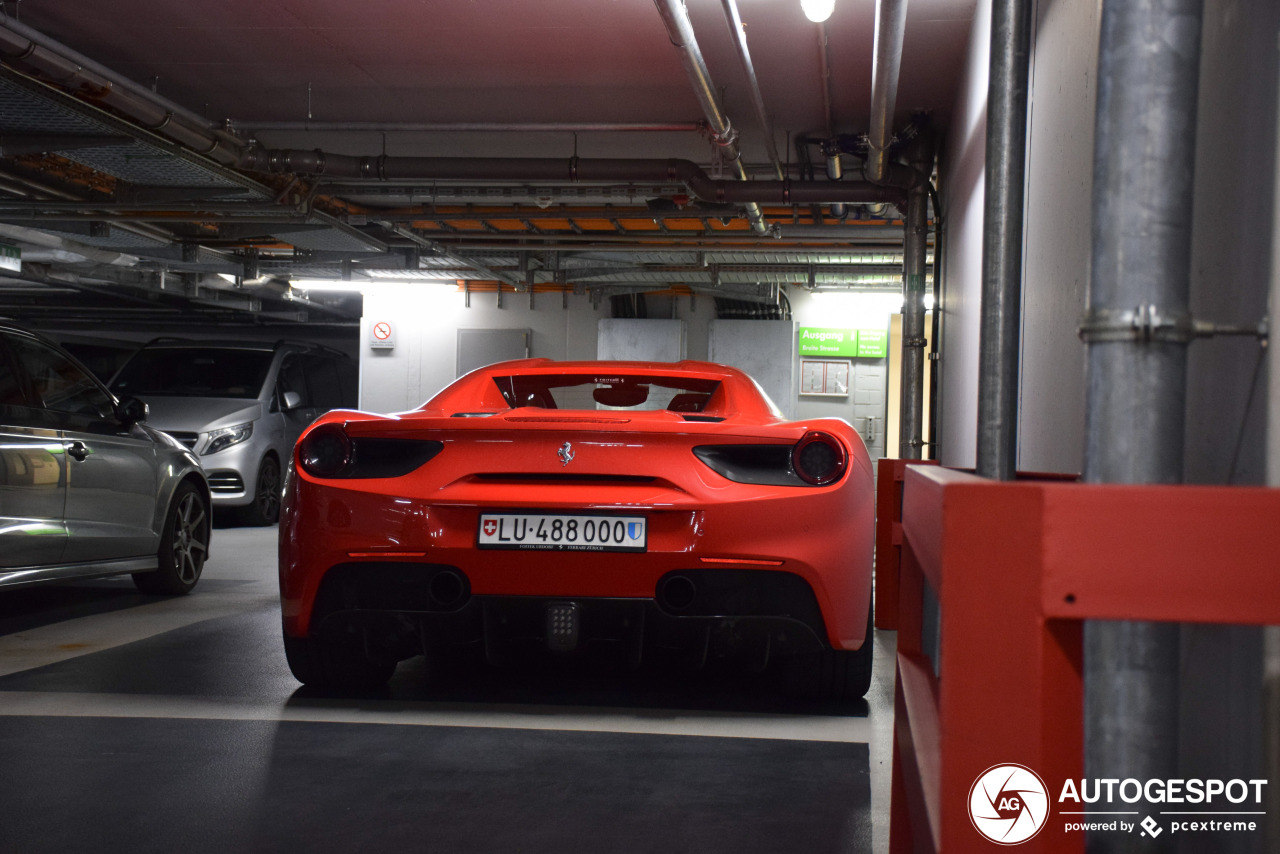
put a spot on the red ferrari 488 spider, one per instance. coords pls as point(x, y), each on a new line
point(650, 508)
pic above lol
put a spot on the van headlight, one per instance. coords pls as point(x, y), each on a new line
point(220, 440)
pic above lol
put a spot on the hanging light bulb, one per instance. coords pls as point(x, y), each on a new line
point(818, 10)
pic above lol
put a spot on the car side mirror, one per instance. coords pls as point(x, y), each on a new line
point(131, 410)
point(290, 400)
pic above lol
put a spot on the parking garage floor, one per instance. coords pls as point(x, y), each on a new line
point(129, 723)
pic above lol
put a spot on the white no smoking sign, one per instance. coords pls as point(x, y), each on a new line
point(382, 335)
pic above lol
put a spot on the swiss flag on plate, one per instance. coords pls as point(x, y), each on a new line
point(490, 527)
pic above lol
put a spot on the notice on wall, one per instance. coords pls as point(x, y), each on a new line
point(873, 343)
point(824, 377)
point(382, 335)
point(842, 343)
point(10, 258)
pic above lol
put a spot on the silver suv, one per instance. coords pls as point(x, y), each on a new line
point(239, 407)
point(87, 489)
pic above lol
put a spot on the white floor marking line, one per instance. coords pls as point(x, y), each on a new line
point(654, 722)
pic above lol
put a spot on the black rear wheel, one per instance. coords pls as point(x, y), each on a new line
point(184, 545)
point(835, 674)
point(338, 663)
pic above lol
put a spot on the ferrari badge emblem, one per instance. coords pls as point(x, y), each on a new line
point(566, 453)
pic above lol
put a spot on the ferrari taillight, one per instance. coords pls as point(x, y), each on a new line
point(328, 452)
point(325, 451)
point(819, 459)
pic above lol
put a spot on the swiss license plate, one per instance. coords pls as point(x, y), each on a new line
point(557, 532)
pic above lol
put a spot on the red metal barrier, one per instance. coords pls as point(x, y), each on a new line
point(889, 474)
point(1016, 567)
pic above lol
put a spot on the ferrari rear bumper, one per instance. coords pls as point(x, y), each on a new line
point(698, 616)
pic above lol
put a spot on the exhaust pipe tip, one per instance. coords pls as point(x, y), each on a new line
point(677, 593)
point(447, 588)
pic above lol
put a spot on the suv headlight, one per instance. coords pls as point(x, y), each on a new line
point(220, 440)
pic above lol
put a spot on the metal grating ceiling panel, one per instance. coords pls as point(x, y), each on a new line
point(28, 107)
point(139, 163)
point(92, 234)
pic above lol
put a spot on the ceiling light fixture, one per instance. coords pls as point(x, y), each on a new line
point(818, 10)
point(326, 285)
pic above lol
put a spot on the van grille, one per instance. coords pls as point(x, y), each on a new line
point(188, 439)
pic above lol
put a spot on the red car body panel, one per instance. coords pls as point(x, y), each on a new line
point(624, 462)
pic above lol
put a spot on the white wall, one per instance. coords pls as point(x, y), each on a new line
point(962, 169)
point(426, 317)
point(1058, 235)
point(765, 349)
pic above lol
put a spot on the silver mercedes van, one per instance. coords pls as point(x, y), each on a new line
point(240, 407)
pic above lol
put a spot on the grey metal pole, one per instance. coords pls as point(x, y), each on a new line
point(1136, 333)
point(997, 454)
point(915, 254)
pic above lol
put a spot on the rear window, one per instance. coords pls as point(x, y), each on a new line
point(635, 392)
point(194, 372)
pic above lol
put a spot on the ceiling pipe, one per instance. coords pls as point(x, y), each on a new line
point(473, 127)
point(29, 50)
point(891, 24)
point(680, 30)
point(571, 171)
point(739, 32)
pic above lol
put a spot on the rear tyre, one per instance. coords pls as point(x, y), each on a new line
point(335, 665)
point(184, 545)
point(265, 509)
point(834, 674)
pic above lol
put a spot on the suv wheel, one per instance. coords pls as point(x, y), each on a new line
point(265, 509)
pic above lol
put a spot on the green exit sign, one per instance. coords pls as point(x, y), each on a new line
point(836, 343)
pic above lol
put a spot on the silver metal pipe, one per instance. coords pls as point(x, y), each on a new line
point(1144, 159)
point(471, 127)
point(1006, 158)
point(739, 32)
point(751, 194)
point(835, 171)
point(915, 251)
point(939, 286)
point(891, 25)
point(680, 30)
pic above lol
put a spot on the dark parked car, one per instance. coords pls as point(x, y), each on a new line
point(86, 487)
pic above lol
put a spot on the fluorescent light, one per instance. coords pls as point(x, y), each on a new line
point(326, 285)
point(818, 10)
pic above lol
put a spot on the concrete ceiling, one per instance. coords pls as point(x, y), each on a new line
point(261, 69)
